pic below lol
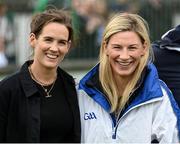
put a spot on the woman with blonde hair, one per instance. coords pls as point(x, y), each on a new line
point(122, 99)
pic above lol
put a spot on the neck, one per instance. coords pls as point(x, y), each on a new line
point(121, 84)
point(42, 75)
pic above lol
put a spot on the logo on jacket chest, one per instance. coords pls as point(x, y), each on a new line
point(89, 116)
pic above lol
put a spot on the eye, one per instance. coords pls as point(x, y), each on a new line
point(132, 48)
point(117, 47)
point(63, 43)
point(48, 39)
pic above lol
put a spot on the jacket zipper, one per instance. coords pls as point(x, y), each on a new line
point(114, 130)
point(117, 121)
point(114, 127)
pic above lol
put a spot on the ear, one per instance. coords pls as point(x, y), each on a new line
point(105, 48)
point(32, 39)
point(145, 47)
point(69, 44)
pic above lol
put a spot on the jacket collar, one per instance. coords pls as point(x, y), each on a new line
point(148, 87)
point(28, 84)
point(26, 80)
point(171, 40)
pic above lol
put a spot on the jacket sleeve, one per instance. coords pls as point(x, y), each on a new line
point(3, 113)
point(165, 122)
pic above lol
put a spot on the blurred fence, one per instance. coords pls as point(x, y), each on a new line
point(160, 18)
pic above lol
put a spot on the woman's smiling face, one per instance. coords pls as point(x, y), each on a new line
point(51, 45)
point(124, 51)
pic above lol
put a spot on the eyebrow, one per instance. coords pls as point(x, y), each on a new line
point(120, 44)
point(61, 39)
point(134, 45)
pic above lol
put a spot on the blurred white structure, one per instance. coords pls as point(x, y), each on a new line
point(176, 19)
point(23, 50)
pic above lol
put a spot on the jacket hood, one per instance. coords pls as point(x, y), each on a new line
point(171, 39)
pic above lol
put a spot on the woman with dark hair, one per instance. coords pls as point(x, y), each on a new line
point(39, 102)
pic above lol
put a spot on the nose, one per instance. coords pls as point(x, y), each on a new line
point(124, 54)
point(54, 47)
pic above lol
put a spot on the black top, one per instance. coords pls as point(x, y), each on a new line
point(55, 114)
point(20, 109)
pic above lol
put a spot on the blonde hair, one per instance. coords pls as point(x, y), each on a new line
point(122, 22)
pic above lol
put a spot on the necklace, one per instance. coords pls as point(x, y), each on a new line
point(43, 85)
point(48, 91)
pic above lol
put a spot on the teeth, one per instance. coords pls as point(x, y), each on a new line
point(124, 64)
point(51, 56)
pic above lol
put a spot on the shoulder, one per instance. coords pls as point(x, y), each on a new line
point(9, 86)
point(13, 80)
point(165, 89)
point(65, 75)
point(168, 98)
point(83, 98)
point(10, 80)
point(169, 95)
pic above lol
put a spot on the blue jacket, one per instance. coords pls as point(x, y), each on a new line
point(152, 112)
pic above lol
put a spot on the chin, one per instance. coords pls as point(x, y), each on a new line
point(51, 66)
point(124, 73)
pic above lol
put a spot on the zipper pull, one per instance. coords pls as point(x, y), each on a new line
point(113, 134)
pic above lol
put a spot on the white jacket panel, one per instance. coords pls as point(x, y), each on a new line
point(141, 124)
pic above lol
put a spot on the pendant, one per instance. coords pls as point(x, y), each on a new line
point(48, 95)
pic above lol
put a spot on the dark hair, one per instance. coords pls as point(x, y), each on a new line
point(40, 20)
